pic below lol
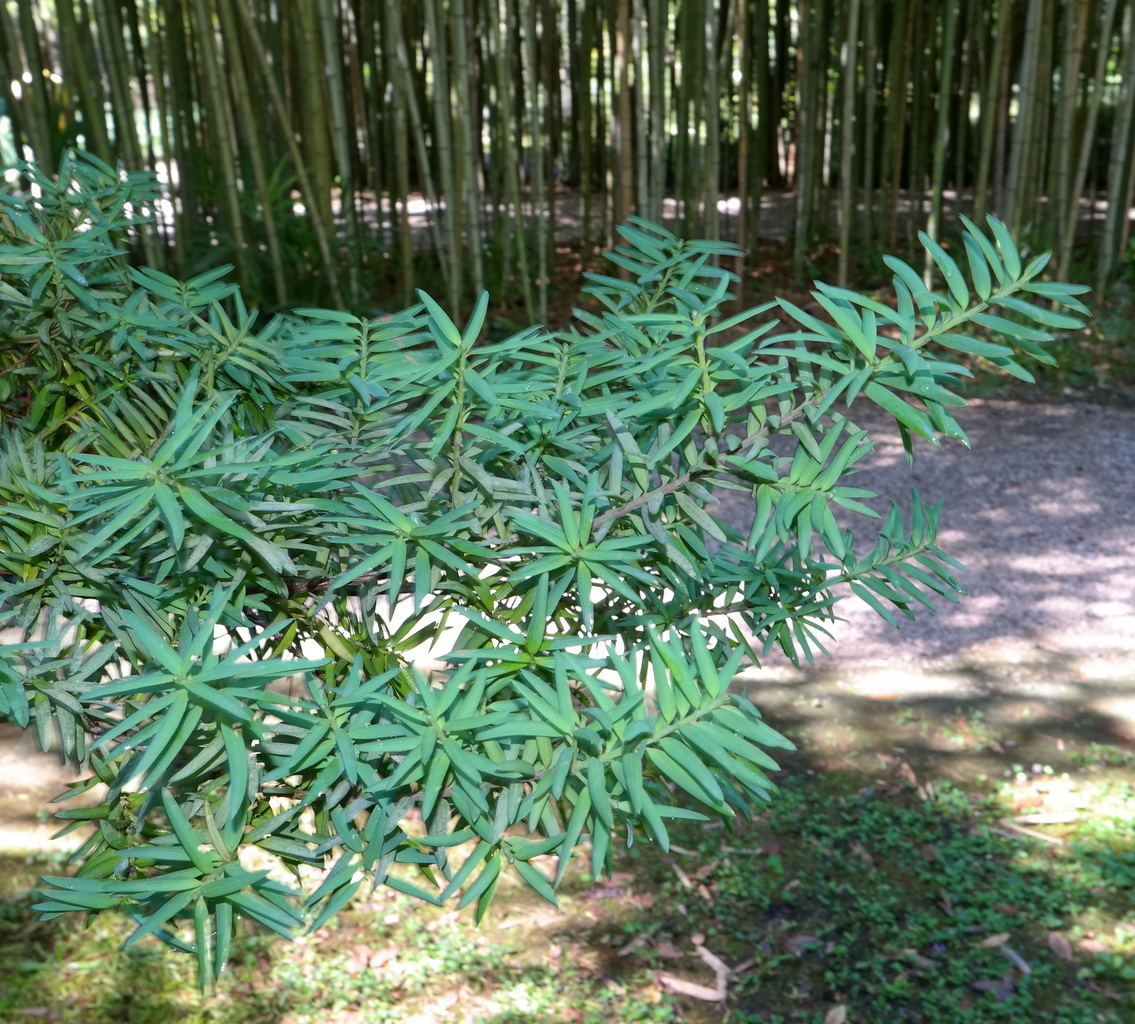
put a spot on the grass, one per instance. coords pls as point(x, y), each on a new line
point(855, 898)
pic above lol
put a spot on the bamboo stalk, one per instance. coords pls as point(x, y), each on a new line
point(624, 151)
point(342, 132)
point(942, 130)
point(711, 120)
point(1087, 149)
point(221, 134)
point(655, 105)
point(807, 134)
point(1120, 156)
point(73, 57)
point(847, 141)
point(535, 149)
point(470, 171)
point(443, 147)
point(252, 146)
point(894, 132)
point(43, 135)
point(509, 155)
point(868, 134)
point(643, 152)
point(307, 190)
point(1064, 200)
point(1022, 150)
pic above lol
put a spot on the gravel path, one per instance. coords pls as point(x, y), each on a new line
point(1041, 511)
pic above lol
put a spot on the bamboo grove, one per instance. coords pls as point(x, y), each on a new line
point(350, 149)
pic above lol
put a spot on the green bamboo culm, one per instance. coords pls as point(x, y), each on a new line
point(358, 150)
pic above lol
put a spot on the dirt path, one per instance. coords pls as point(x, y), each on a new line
point(1042, 513)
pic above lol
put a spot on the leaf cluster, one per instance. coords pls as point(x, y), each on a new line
point(355, 592)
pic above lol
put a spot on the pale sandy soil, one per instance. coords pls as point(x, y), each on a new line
point(1041, 511)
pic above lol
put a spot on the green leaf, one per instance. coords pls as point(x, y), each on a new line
point(1007, 246)
point(442, 327)
point(902, 411)
point(679, 773)
point(949, 268)
point(189, 839)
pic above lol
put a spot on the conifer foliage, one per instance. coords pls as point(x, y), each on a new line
point(222, 542)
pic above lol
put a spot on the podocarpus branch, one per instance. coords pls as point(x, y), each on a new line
point(168, 558)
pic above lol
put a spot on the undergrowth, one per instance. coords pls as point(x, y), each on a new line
point(852, 895)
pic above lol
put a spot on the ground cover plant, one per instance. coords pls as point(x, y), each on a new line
point(853, 890)
point(225, 544)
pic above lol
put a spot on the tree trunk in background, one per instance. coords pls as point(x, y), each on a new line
point(1119, 159)
point(942, 129)
point(307, 188)
point(898, 56)
point(1065, 203)
point(850, 87)
point(1088, 148)
point(252, 146)
point(464, 125)
point(87, 97)
point(624, 129)
point(221, 134)
point(1020, 103)
point(992, 103)
point(711, 120)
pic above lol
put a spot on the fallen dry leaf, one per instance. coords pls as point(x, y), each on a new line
point(1017, 960)
point(799, 944)
point(381, 957)
point(1092, 946)
point(1060, 946)
point(923, 962)
point(836, 1015)
point(1032, 833)
point(744, 965)
point(359, 958)
point(680, 874)
point(668, 952)
point(603, 892)
point(716, 964)
point(636, 943)
point(928, 851)
point(995, 940)
point(670, 983)
point(1004, 908)
point(907, 773)
point(862, 853)
point(1001, 989)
